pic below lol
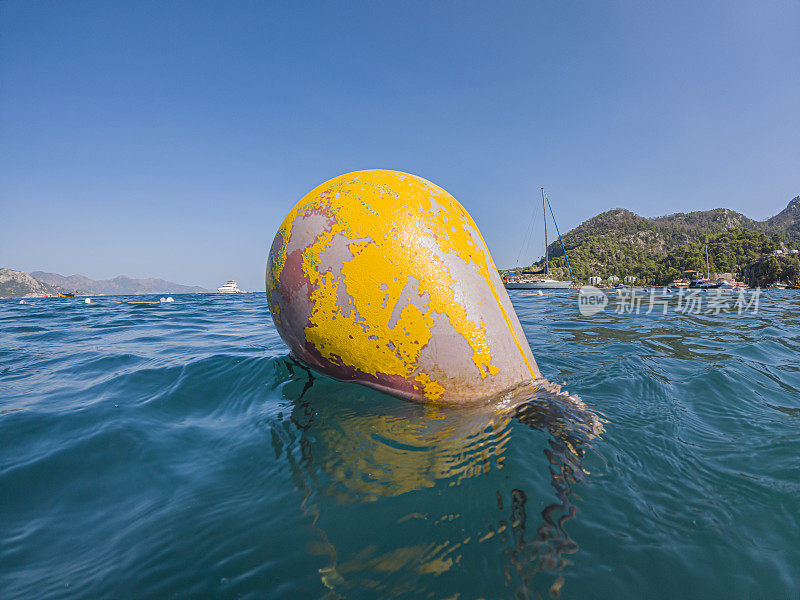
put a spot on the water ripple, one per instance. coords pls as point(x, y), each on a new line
point(176, 451)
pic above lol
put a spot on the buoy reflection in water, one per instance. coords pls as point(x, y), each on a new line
point(428, 475)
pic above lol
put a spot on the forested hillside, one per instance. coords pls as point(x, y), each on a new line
point(619, 242)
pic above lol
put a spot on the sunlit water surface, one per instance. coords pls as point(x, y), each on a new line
point(175, 451)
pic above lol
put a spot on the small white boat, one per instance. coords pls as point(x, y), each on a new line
point(704, 284)
point(230, 287)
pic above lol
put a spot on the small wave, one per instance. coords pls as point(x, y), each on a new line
point(175, 450)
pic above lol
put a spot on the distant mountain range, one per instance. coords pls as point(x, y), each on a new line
point(620, 242)
point(18, 284)
point(119, 285)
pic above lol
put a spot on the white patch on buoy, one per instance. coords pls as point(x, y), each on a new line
point(88, 301)
point(170, 299)
point(539, 293)
point(22, 302)
point(162, 299)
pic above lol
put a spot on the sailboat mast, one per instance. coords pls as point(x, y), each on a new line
point(708, 276)
point(544, 213)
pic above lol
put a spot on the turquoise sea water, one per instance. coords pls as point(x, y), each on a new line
point(174, 451)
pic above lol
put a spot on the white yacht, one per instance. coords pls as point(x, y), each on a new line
point(541, 283)
point(230, 287)
point(538, 284)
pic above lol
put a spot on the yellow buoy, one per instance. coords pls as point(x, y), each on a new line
point(383, 278)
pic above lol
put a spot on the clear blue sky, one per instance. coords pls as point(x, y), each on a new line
point(169, 139)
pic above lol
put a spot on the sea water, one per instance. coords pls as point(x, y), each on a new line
point(175, 450)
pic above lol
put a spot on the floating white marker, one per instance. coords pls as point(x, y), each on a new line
point(88, 301)
point(162, 299)
point(22, 302)
point(539, 293)
point(170, 299)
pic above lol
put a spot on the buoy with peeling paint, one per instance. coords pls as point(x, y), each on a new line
point(383, 278)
